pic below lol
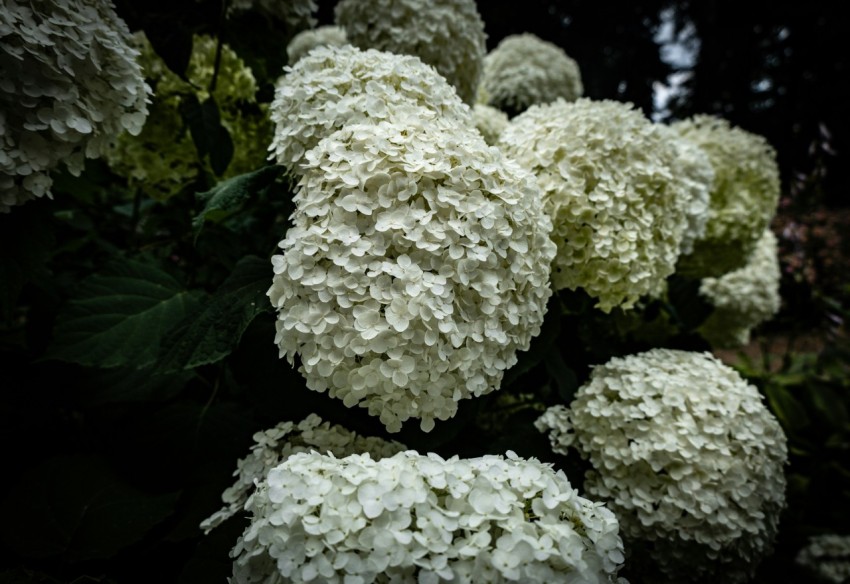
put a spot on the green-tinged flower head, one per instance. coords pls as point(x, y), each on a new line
point(687, 456)
point(446, 34)
point(335, 86)
point(743, 199)
point(416, 267)
point(307, 40)
point(524, 70)
point(414, 519)
point(163, 158)
point(617, 209)
point(743, 298)
point(69, 85)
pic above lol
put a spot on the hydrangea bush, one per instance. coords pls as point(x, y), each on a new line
point(685, 454)
point(307, 40)
point(420, 519)
point(447, 34)
point(416, 267)
point(618, 210)
point(826, 558)
point(70, 83)
point(524, 70)
point(490, 122)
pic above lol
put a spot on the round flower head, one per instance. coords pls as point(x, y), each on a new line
point(743, 298)
point(335, 86)
point(490, 122)
point(617, 209)
point(294, 14)
point(447, 34)
point(524, 70)
point(827, 558)
point(744, 195)
point(69, 84)
point(416, 519)
point(307, 40)
point(686, 455)
point(416, 267)
point(277, 444)
point(163, 158)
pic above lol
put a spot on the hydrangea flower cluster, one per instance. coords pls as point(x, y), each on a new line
point(827, 557)
point(335, 86)
point(618, 210)
point(447, 34)
point(524, 70)
point(743, 298)
point(69, 84)
point(294, 14)
point(413, 519)
point(274, 446)
point(490, 122)
point(163, 158)
point(685, 454)
point(743, 198)
point(307, 40)
point(416, 267)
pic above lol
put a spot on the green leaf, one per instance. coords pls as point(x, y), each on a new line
point(221, 151)
point(76, 509)
point(203, 120)
point(787, 408)
point(26, 241)
point(228, 196)
point(173, 44)
point(215, 331)
point(120, 316)
point(127, 385)
point(565, 378)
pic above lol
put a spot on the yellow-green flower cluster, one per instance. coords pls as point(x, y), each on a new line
point(743, 198)
point(163, 159)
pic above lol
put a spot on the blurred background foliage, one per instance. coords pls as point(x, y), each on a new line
point(119, 435)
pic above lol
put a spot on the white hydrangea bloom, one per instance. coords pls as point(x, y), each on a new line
point(419, 519)
point(490, 122)
point(686, 455)
point(277, 444)
point(743, 298)
point(416, 267)
point(692, 167)
point(524, 70)
point(335, 86)
point(294, 14)
point(447, 34)
point(307, 40)
point(69, 84)
point(827, 557)
point(743, 198)
point(617, 209)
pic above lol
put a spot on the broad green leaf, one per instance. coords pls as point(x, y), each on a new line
point(120, 316)
point(214, 332)
point(221, 151)
point(787, 408)
point(128, 385)
point(172, 43)
point(76, 509)
point(203, 120)
point(228, 196)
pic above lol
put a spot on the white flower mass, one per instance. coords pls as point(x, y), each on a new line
point(618, 210)
point(69, 84)
point(417, 265)
point(335, 86)
point(307, 40)
point(447, 34)
point(490, 122)
point(275, 445)
point(687, 456)
point(524, 70)
point(418, 519)
point(743, 298)
point(827, 558)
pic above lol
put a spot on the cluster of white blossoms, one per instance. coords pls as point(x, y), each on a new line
point(307, 40)
point(524, 70)
point(490, 122)
point(417, 265)
point(294, 14)
point(744, 195)
point(743, 298)
point(420, 519)
point(827, 558)
point(274, 446)
point(447, 34)
point(335, 86)
point(685, 454)
point(608, 185)
point(69, 84)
